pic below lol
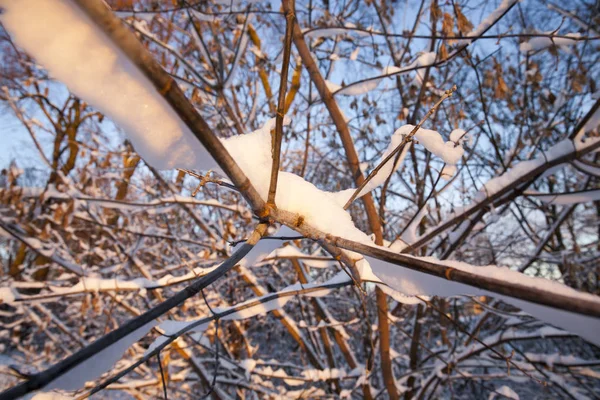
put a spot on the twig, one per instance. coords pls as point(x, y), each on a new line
point(162, 376)
point(405, 140)
point(277, 138)
point(63, 367)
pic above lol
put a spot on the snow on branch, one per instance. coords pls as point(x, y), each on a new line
point(583, 196)
point(522, 174)
point(97, 71)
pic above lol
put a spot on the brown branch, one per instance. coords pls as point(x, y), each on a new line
point(384, 344)
point(338, 120)
point(516, 290)
point(276, 140)
point(510, 192)
point(126, 41)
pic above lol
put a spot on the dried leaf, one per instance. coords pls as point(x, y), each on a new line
point(464, 25)
point(447, 24)
point(443, 52)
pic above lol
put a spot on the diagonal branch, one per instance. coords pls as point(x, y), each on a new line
point(405, 140)
point(568, 300)
point(513, 189)
point(40, 380)
point(126, 41)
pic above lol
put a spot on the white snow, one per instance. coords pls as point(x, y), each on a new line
point(413, 283)
point(424, 60)
point(557, 359)
point(401, 297)
point(332, 87)
point(96, 284)
point(238, 57)
point(7, 295)
point(567, 198)
point(448, 172)
point(390, 69)
point(252, 152)
point(326, 32)
point(361, 88)
point(250, 308)
point(591, 125)
point(228, 3)
point(459, 136)
point(313, 261)
point(491, 18)
point(288, 252)
point(506, 392)
point(523, 168)
point(264, 247)
point(588, 169)
point(98, 72)
point(50, 396)
point(499, 183)
point(365, 86)
point(448, 151)
point(254, 306)
point(388, 167)
point(200, 16)
point(410, 233)
point(541, 43)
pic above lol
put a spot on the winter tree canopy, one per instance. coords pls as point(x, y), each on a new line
point(299, 199)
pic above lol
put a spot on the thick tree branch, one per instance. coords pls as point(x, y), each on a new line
point(112, 26)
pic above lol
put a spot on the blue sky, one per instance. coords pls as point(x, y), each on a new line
point(15, 143)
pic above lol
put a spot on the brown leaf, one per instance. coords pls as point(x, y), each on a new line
point(443, 52)
point(464, 25)
point(447, 24)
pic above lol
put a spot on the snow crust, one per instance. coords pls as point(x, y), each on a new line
point(73, 50)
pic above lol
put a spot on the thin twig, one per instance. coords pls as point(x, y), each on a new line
point(162, 376)
point(405, 140)
point(277, 138)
